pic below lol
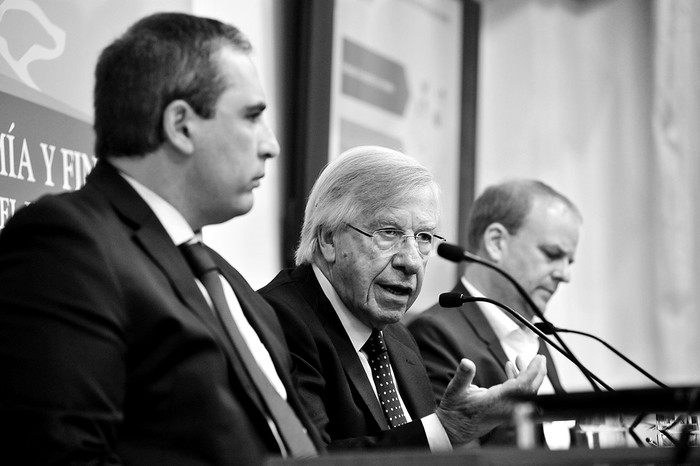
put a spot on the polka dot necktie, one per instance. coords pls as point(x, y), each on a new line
point(381, 372)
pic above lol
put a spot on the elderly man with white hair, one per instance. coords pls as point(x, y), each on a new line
point(370, 225)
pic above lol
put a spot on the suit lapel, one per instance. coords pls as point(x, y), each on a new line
point(265, 323)
point(349, 358)
point(150, 235)
point(472, 313)
point(353, 367)
point(551, 368)
point(171, 262)
point(483, 329)
point(253, 308)
point(408, 369)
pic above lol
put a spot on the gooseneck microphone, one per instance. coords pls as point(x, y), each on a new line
point(455, 253)
point(455, 299)
point(549, 329)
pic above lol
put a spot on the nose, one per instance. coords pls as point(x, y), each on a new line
point(408, 258)
point(562, 271)
point(269, 146)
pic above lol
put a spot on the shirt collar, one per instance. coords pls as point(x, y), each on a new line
point(514, 339)
point(358, 332)
point(172, 220)
point(501, 324)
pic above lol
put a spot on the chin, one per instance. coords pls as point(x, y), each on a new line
point(541, 305)
point(242, 208)
point(392, 317)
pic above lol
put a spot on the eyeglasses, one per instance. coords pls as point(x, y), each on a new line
point(386, 239)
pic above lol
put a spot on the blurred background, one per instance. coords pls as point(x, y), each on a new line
point(598, 98)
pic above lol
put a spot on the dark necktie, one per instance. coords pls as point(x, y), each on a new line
point(383, 381)
point(296, 440)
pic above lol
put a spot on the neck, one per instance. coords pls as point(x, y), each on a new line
point(163, 178)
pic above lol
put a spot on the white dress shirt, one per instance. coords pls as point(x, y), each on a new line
point(519, 341)
point(515, 340)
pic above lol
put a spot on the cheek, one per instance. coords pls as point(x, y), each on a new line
point(351, 268)
point(365, 276)
point(537, 275)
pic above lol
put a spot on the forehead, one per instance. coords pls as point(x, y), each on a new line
point(552, 221)
point(239, 71)
point(419, 209)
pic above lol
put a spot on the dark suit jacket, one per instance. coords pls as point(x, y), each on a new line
point(108, 350)
point(333, 384)
point(446, 335)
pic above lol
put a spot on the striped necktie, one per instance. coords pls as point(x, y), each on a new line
point(290, 428)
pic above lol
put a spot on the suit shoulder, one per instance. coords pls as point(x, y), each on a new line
point(282, 280)
point(400, 332)
point(73, 220)
point(435, 316)
point(290, 296)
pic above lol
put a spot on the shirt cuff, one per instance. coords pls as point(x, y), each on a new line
point(438, 441)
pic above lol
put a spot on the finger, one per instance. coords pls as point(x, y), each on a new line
point(535, 372)
point(463, 377)
point(511, 370)
point(520, 363)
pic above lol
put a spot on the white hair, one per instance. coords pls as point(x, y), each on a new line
point(359, 182)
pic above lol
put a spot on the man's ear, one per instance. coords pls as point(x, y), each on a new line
point(177, 118)
point(495, 240)
point(326, 245)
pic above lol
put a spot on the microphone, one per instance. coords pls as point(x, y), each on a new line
point(455, 253)
point(549, 329)
point(455, 299)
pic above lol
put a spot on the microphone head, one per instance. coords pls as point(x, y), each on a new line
point(546, 327)
point(452, 299)
point(451, 252)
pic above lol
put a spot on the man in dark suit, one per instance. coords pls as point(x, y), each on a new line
point(531, 231)
point(109, 348)
point(368, 231)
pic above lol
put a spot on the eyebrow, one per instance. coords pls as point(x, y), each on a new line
point(421, 229)
point(556, 250)
point(391, 223)
point(255, 108)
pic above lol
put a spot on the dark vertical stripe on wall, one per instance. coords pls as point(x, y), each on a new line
point(467, 179)
point(308, 28)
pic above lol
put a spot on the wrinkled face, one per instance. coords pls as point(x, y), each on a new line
point(379, 286)
point(232, 146)
point(540, 254)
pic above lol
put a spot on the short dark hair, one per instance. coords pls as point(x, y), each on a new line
point(161, 58)
point(508, 203)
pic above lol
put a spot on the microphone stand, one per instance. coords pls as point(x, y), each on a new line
point(550, 329)
point(591, 376)
point(682, 444)
point(449, 251)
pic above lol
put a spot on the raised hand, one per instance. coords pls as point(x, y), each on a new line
point(468, 412)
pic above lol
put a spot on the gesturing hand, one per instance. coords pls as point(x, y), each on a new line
point(467, 412)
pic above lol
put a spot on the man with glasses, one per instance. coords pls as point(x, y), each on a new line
point(369, 227)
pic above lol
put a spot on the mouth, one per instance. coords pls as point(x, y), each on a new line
point(256, 180)
point(548, 292)
point(397, 290)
